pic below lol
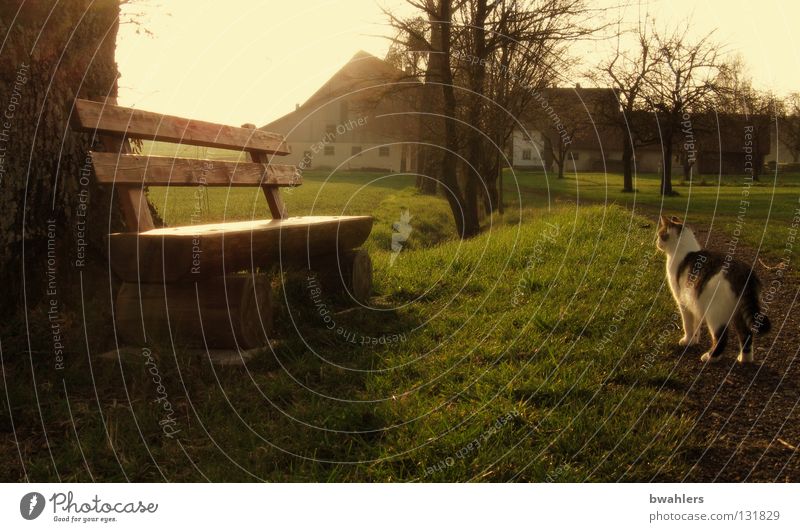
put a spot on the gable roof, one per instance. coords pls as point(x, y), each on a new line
point(363, 76)
point(364, 70)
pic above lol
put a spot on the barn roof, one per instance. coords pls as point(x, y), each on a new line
point(363, 71)
point(364, 77)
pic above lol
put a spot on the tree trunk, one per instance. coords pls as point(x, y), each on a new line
point(500, 206)
point(466, 220)
point(627, 163)
point(491, 171)
point(561, 160)
point(53, 217)
point(758, 159)
point(429, 158)
point(549, 154)
point(666, 169)
point(758, 163)
point(687, 169)
point(476, 155)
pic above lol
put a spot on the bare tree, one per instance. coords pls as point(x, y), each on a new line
point(626, 71)
point(680, 82)
point(486, 59)
point(411, 51)
point(438, 46)
point(564, 120)
point(525, 49)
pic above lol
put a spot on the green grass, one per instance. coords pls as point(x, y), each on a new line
point(507, 343)
point(539, 351)
point(759, 213)
point(715, 202)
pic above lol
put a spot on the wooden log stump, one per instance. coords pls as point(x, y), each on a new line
point(216, 313)
point(347, 273)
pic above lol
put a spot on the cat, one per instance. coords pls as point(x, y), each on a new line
point(709, 286)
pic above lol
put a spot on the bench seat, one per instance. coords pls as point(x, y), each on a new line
point(188, 253)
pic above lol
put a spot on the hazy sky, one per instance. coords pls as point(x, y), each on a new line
point(237, 61)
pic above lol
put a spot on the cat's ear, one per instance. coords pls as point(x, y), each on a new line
point(677, 223)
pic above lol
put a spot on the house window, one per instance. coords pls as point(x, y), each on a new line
point(344, 110)
point(526, 155)
point(330, 150)
point(330, 130)
point(355, 150)
point(383, 151)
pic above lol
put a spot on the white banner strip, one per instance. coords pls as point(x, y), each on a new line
point(401, 507)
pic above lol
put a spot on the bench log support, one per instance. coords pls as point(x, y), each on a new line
point(234, 311)
point(348, 274)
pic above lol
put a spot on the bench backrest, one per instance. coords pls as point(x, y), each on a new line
point(129, 173)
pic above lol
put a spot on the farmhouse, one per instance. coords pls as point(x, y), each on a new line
point(585, 121)
point(363, 118)
point(359, 119)
point(579, 118)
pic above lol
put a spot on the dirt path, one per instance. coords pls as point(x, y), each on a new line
point(750, 415)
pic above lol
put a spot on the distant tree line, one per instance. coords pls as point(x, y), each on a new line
point(672, 89)
point(483, 66)
point(482, 62)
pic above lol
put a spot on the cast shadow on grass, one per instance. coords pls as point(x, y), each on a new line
point(164, 412)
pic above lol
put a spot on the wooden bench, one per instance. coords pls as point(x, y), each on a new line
point(206, 285)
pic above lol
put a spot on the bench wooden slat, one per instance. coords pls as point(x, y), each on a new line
point(171, 171)
point(134, 123)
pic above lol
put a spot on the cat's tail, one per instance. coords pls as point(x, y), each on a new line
point(750, 309)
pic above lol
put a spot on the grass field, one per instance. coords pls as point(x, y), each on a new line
point(542, 350)
point(503, 345)
point(760, 213)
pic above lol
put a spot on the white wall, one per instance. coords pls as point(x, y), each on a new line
point(342, 158)
point(531, 142)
